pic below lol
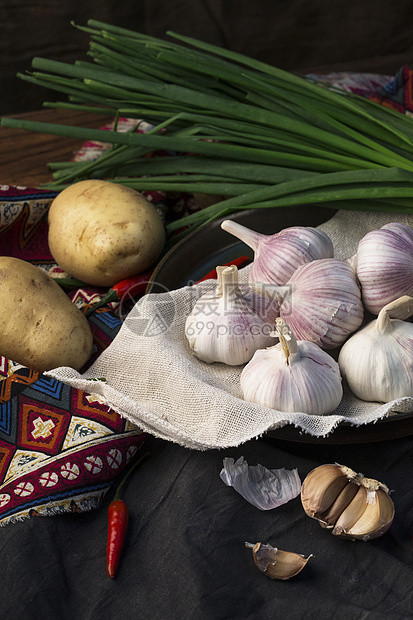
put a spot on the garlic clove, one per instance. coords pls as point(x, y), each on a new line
point(329, 517)
point(277, 256)
point(352, 513)
point(362, 509)
point(376, 519)
point(321, 487)
point(275, 563)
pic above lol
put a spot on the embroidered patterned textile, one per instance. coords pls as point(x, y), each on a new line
point(398, 92)
point(60, 448)
point(393, 92)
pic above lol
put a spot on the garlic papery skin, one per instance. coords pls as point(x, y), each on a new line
point(223, 327)
point(385, 265)
point(347, 503)
point(377, 361)
point(291, 376)
point(277, 256)
point(264, 488)
point(321, 302)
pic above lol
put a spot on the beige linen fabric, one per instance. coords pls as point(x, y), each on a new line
point(152, 378)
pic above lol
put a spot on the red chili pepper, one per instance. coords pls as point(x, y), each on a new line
point(239, 262)
point(118, 517)
point(136, 285)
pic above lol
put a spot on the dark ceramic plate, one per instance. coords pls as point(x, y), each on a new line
point(200, 252)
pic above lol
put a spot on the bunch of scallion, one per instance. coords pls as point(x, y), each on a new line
point(239, 128)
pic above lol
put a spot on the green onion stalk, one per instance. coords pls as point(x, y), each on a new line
point(251, 133)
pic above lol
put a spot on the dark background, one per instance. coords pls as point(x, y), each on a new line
point(297, 35)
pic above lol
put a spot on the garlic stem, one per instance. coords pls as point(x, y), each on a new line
point(277, 256)
point(218, 288)
point(383, 322)
point(229, 277)
point(401, 308)
point(287, 340)
point(249, 237)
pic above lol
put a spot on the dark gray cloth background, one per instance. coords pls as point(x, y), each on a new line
point(318, 36)
point(184, 556)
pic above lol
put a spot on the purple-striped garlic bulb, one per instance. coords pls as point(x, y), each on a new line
point(321, 302)
point(384, 264)
point(277, 256)
point(292, 376)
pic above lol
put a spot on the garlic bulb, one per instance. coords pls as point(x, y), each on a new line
point(223, 327)
point(377, 361)
point(275, 563)
point(292, 376)
point(385, 265)
point(277, 256)
point(347, 503)
point(321, 302)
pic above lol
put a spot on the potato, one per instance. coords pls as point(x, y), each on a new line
point(102, 232)
point(41, 327)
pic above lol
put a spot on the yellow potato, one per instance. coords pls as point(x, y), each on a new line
point(40, 327)
point(102, 232)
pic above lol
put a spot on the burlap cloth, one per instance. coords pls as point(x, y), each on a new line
point(149, 375)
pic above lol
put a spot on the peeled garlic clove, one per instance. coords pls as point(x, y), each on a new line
point(361, 509)
point(223, 327)
point(377, 361)
point(275, 563)
point(277, 256)
point(321, 302)
point(292, 376)
point(385, 265)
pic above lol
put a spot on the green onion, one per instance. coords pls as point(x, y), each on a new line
point(235, 126)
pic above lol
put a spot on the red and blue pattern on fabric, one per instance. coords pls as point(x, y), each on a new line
point(60, 448)
point(397, 94)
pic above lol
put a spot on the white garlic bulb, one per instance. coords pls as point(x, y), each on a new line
point(223, 326)
point(277, 256)
point(321, 302)
point(292, 376)
point(384, 262)
point(377, 361)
